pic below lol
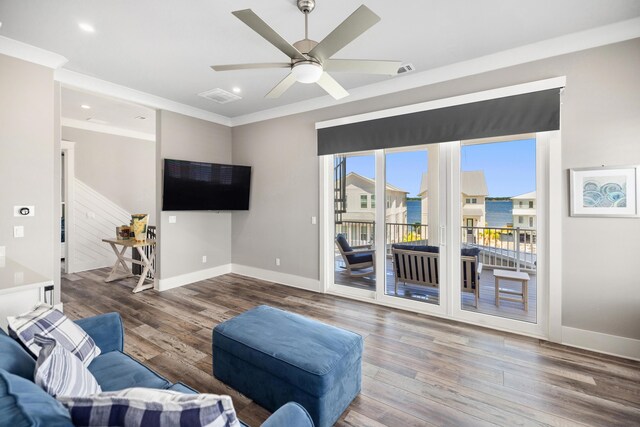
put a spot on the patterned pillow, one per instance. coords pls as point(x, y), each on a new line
point(133, 407)
point(49, 322)
point(60, 373)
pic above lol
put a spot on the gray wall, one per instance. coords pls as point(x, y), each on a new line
point(27, 163)
point(120, 168)
point(195, 234)
point(600, 125)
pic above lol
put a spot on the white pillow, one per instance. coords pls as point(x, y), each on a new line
point(60, 373)
point(133, 407)
point(49, 322)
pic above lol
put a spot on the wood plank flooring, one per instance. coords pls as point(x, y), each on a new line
point(417, 370)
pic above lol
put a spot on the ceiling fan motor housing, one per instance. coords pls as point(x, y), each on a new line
point(306, 6)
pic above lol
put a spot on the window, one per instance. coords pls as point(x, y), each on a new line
point(474, 201)
point(520, 205)
point(363, 201)
point(388, 202)
point(530, 222)
point(467, 201)
point(530, 204)
point(520, 219)
point(373, 201)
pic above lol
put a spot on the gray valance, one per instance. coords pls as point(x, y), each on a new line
point(511, 115)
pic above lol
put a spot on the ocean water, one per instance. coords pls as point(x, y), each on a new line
point(498, 212)
point(414, 211)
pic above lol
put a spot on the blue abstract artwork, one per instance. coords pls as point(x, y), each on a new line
point(604, 192)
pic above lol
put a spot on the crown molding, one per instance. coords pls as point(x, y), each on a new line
point(93, 84)
point(27, 52)
point(600, 36)
point(112, 130)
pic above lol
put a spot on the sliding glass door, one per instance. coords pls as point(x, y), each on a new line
point(454, 229)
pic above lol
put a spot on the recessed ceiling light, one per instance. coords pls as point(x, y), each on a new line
point(236, 89)
point(86, 27)
point(141, 117)
point(85, 107)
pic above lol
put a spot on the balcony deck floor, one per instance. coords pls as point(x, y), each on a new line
point(486, 303)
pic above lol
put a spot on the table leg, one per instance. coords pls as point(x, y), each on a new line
point(119, 262)
point(147, 266)
point(497, 292)
point(525, 294)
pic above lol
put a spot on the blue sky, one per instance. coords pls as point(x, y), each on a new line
point(509, 167)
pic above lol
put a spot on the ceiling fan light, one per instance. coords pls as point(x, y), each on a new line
point(307, 72)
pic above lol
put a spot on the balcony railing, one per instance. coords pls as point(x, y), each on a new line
point(501, 247)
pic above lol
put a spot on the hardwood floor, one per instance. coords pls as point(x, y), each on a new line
point(417, 370)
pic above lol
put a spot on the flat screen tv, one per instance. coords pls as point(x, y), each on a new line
point(197, 186)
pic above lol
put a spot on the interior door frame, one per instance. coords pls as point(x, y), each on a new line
point(68, 148)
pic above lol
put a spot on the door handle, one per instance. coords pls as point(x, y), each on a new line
point(443, 235)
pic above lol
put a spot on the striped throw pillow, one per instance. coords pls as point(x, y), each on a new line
point(60, 373)
point(49, 322)
point(146, 407)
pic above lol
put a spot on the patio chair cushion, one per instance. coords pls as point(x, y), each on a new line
point(358, 259)
point(418, 248)
point(470, 251)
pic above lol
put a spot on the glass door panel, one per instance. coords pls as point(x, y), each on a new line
point(354, 220)
point(498, 258)
point(411, 260)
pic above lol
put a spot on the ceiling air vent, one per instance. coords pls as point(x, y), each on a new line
point(220, 96)
point(406, 68)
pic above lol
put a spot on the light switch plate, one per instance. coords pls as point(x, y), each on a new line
point(18, 231)
point(172, 219)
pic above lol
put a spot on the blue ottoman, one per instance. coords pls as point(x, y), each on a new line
point(273, 357)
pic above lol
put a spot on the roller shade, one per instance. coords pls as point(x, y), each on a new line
point(511, 115)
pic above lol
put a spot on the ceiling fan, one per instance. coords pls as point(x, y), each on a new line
point(311, 60)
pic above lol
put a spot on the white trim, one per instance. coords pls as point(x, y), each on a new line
point(68, 147)
point(588, 39)
point(277, 277)
point(628, 348)
point(554, 235)
point(112, 130)
point(84, 82)
point(195, 276)
point(535, 86)
point(27, 52)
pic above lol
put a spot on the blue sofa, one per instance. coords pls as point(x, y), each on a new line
point(23, 403)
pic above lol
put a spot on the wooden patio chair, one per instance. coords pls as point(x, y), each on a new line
point(357, 257)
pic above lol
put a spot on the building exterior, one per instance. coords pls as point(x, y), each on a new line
point(473, 193)
point(524, 210)
point(358, 220)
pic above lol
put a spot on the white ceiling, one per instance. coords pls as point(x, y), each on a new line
point(105, 112)
point(165, 47)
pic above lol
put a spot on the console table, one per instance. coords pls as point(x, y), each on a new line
point(20, 289)
point(121, 261)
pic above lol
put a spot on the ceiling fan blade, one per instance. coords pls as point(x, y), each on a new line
point(251, 66)
point(357, 23)
point(362, 66)
point(332, 87)
point(259, 26)
point(281, 87)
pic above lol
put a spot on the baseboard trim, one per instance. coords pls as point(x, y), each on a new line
point(277, 277)
point(196, 276)
point(613, 345)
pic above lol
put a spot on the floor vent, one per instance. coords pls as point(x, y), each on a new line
point(406, 68)
point(220, 96)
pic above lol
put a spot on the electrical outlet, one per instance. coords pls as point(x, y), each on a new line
point(204, 259)
point(278, 261)
point(314, 220)
point(172, 219)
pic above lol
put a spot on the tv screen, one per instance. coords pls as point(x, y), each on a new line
point(197, 186)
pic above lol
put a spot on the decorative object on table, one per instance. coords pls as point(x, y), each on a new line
point(139, 226)
point(607, 191)
point(123, 232)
